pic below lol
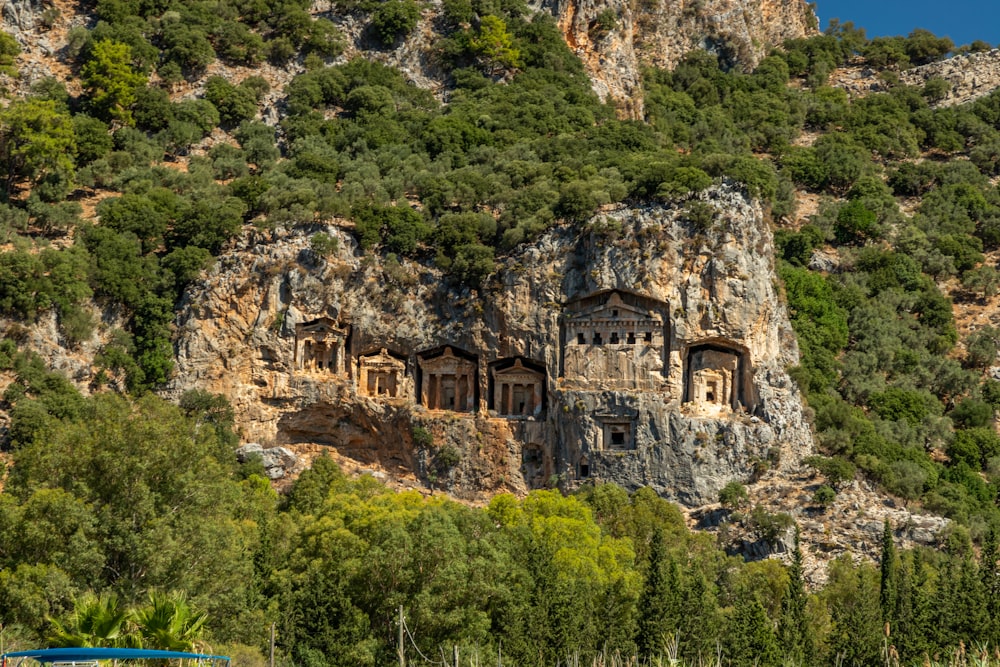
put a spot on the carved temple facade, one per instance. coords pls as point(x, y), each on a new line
point(614, 340)
point(448, 380)
point(321, 347)
point(382, 374)
point(717, 378)
point(517, 388)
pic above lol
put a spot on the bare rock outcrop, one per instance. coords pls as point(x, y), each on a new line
point(851, 523)
point(645, 349)
point(971, 76)
point(616, 39)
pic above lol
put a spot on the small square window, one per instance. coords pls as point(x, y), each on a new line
point(614, 338)
point(648, 337)
point(581, 339)
point(597, 339)
point(630, 338)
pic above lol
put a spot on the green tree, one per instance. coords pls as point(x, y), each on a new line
point(989, 573)
point(734, 495)
point(37, 140)
point(853, 601)
point(889, 576)
point(658, 605)
point(794, 634)
point(394, 19)
point(161, 488)
point(750, 638)
point(493, 46)
point(111, 81)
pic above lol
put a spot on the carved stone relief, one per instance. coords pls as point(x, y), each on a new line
point(715, 378)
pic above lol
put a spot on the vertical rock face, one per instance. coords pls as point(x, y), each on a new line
point(644, 349)
point(616, 38)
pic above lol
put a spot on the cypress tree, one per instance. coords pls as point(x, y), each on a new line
point(698, 619)
point(991, 584)
point(750, 638)
point(913, 631)
point(856, 636)
point(889, 581)
point(793, 631)
point(969, 618)
point(657, 606)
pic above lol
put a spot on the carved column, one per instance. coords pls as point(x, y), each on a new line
point(470, 395)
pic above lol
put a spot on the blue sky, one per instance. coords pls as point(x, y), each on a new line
point(962, 20)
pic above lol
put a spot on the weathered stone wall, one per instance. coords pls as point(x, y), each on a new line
point(237, 337)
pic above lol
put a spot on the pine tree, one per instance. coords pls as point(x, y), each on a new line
point(793, 631)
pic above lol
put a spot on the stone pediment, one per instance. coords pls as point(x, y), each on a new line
point(322, 325)
point(518, 371)
point(382, 375)
point(447, 361)
point(448, 380)
point(517, 387)
point(614, 304)
point(383, 359)
point(320, 345)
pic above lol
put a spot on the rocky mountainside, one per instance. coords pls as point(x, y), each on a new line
point(659, 32)
point(614, 39)
point(650, 349)
point(648, 345)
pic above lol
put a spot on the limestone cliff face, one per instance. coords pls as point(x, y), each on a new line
point(646, 350)
point(616, 38)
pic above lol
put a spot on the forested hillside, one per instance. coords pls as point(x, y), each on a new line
point(125, 183)
point(121, 507)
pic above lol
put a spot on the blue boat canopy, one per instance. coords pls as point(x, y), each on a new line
point(50, 655)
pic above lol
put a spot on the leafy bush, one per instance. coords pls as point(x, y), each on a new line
point(824, 496)
point(733, 495)
point(422, 438)
point(394, 19)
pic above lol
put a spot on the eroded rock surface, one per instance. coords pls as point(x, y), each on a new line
point(643, 349)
